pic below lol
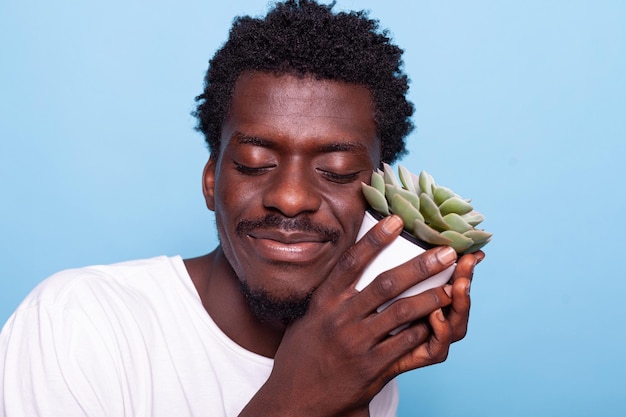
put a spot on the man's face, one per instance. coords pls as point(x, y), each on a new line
point(286, 185)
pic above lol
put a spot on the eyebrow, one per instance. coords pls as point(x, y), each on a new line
point(339, 146)
point(244, 139)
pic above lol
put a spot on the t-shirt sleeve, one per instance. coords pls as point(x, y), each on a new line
point(54, 361)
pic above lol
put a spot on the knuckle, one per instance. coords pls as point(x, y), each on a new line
point(433, 297)
point(460, 334)
point(348, 261)
point(422, 267)
point(376, 238)
point(442, 356)
point(438, 355)
point(402, 312)
point(410, 340)
point(384, 286)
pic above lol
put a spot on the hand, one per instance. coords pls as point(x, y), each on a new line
point(340, 354)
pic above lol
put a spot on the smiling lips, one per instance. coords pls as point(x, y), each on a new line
point(291, 247)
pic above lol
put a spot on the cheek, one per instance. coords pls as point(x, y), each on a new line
point(349, 210)
point(231, 193)
point(235, 200)
point(226, 203)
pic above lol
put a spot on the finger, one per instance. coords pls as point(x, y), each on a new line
point(394, 282)
point(352, 262)
point(395, 351)
point(460, 308)
point(434, 350)
point(409, 309)
point(465, 267)
point(480, 255)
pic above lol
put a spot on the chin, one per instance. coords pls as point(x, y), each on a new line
point(269, 308)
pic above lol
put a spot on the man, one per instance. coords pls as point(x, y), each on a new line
point(298, 108)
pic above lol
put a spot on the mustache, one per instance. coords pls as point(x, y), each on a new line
point(300, 224)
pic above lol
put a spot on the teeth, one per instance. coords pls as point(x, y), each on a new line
point(433, 213)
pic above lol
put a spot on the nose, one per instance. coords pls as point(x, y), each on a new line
point(292, 190)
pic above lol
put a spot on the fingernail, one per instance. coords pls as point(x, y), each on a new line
point(448, 290)
point(446, 255)
point(440, 315)
point(479, 256)
point(392, 224)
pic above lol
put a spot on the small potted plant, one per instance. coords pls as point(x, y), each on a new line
point(433, 215)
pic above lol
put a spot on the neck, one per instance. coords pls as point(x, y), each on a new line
point(218, 288)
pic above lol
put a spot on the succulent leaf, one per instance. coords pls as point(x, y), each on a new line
point(457, 223)
point(426, 183)
point(428, 234)
point(476, 246)
point(455, 205)
point(390, 177)
point(416, 183)
point(474, 218)
point(403, 208)
point(460, 243)
point(478, 236)
point(391, 190)
point(431, 213)
point(441, 194)
point(406, 179)
point(375, 199)
point(378, 182)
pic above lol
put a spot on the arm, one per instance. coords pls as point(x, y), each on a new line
point(340, 354)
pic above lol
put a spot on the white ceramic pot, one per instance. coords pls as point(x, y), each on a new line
point(404, 248)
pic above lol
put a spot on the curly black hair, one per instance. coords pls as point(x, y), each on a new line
point(302, 37)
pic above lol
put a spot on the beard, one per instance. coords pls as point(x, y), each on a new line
point(270, 309)
point(267, 307)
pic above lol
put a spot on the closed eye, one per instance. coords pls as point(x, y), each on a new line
point(339, 178)
point(247, 170)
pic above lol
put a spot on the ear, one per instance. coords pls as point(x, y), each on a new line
point(208, 183)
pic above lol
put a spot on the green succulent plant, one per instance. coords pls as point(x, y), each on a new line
point(432, 213)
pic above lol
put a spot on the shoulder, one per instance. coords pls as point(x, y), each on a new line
point(96, 283)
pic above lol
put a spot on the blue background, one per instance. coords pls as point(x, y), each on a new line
point(521, 105)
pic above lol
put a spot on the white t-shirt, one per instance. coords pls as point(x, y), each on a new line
point(129, 339)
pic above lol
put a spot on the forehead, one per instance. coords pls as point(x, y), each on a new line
point(300, 110)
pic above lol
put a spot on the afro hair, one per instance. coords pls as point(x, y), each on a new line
point(304, 38)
